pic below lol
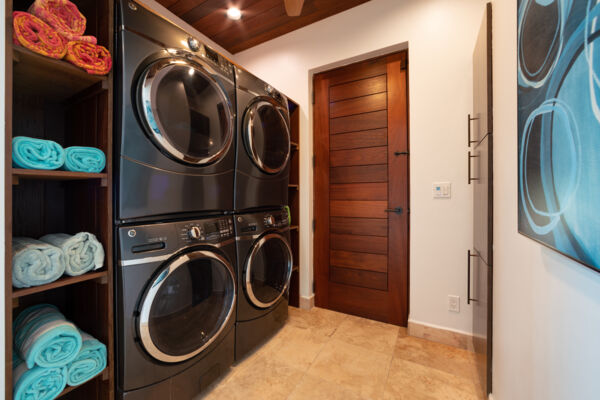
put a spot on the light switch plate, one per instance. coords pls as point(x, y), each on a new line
point(454, 303)
point(442, 190)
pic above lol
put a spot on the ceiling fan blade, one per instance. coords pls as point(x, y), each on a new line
point(293, 8)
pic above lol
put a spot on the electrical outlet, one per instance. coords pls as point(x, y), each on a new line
point(454, 303)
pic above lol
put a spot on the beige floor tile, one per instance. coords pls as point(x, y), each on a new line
point(369, 334)
point(436, 355)
point(408, 380)
point(319, 320)
point(354, 367)
point(313, 388)
point(296, 347)
point(263, 378)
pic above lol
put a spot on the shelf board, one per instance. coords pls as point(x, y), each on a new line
point(293, 186)
point(294, 227)
point(32, 72)
point(69, 389)
point(295, 268)
point(64, 281)
point(55, 175)
point(294, 145)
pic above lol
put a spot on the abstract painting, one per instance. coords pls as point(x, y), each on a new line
point(558, 67)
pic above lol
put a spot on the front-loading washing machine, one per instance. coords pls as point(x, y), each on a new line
point(176, 297)
point(263, 144)
point(265, 263)
point(175, 121)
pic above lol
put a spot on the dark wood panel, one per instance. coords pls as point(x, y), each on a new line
point(363, 173)
point(359, 88)
point(359, 226)
point(355, 300)
point(357, 277)
point(358, 209)
point(359, 191)
point(262, 20)
point(362, 244)
point(366, 156)
point(356, 72)
point(362, 261)
point(361, 122)
point(356, 140)
point(359, 105)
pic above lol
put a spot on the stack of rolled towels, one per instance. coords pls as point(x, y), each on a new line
point(37, 262)
point(31, 153)
point(50, 353)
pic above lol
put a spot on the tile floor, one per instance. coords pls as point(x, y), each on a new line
point(321, 354)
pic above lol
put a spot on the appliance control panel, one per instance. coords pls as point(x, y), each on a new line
point(211, 230)
point(252, 224)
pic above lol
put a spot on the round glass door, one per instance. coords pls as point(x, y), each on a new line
point(186, 113)
point(267, 135)
point(268, 270)
point(186, 306)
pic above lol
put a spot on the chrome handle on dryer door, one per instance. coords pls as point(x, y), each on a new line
point(469, 255)
point(469, 168)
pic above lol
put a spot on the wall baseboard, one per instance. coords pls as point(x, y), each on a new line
point(441, 335)
point(306, 303)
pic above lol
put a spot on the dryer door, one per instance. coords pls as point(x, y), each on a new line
point(268, 269)
point(186, 306)
point(185, 111)
point(267, 134)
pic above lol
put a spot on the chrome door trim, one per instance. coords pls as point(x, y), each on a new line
point(248, 284)
point(248, 126)
point(163, 257)
point(149, 296)
point(148, 109)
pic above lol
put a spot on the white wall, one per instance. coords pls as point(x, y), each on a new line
point(547, 308)
point(441, 36)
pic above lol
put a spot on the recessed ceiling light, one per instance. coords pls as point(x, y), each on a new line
point(234, 13)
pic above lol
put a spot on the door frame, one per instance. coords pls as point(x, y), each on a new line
point(320, 180)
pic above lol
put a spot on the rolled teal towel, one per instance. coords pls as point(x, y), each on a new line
point(37, 383)
point(35, 263)
point(83, 252)
point(84, 159)
point(44, 337)
point(90, 361)
point(31, 153)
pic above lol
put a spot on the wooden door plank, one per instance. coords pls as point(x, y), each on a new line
point(366, 156)
point(363, 87)
point(359, 191)
point(365, 173)
point(358, 209)
point(351, 73)
point(356, 277)
point(361, 122)
point(362, 244)
point(362, 261)
point(364, 302)
point(356, 140)
point(359, 226)
point(358, 105)
point(398, 189)
point(321, 194)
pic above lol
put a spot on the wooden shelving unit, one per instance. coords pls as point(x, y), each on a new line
point(294, 201)
point(52, 99)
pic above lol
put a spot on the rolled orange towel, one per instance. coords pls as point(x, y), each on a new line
point(95, 59)
point(34, 34)
point(63, 16)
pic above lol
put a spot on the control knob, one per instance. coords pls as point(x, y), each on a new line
point(194, 233)
point(269, 220)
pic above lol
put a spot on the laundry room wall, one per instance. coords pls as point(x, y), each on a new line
point(546, 307)
point(440, 36)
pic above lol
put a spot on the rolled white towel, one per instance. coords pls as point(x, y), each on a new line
point(83, 252)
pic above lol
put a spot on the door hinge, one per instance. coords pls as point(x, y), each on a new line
point(314, 224)
point(314, 161)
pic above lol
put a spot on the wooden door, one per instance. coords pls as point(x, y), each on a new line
point(360, 177)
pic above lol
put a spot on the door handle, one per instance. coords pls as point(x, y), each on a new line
point(401, 153)
point(469, 166)
point(469, 119)
point(469, 255)
point(397, 210)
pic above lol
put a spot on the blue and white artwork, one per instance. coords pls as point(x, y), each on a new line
point(559, 125)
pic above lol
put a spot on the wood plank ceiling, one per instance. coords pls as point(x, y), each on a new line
point(262, 20)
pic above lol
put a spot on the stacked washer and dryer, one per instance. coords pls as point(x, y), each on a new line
point(204, 261)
